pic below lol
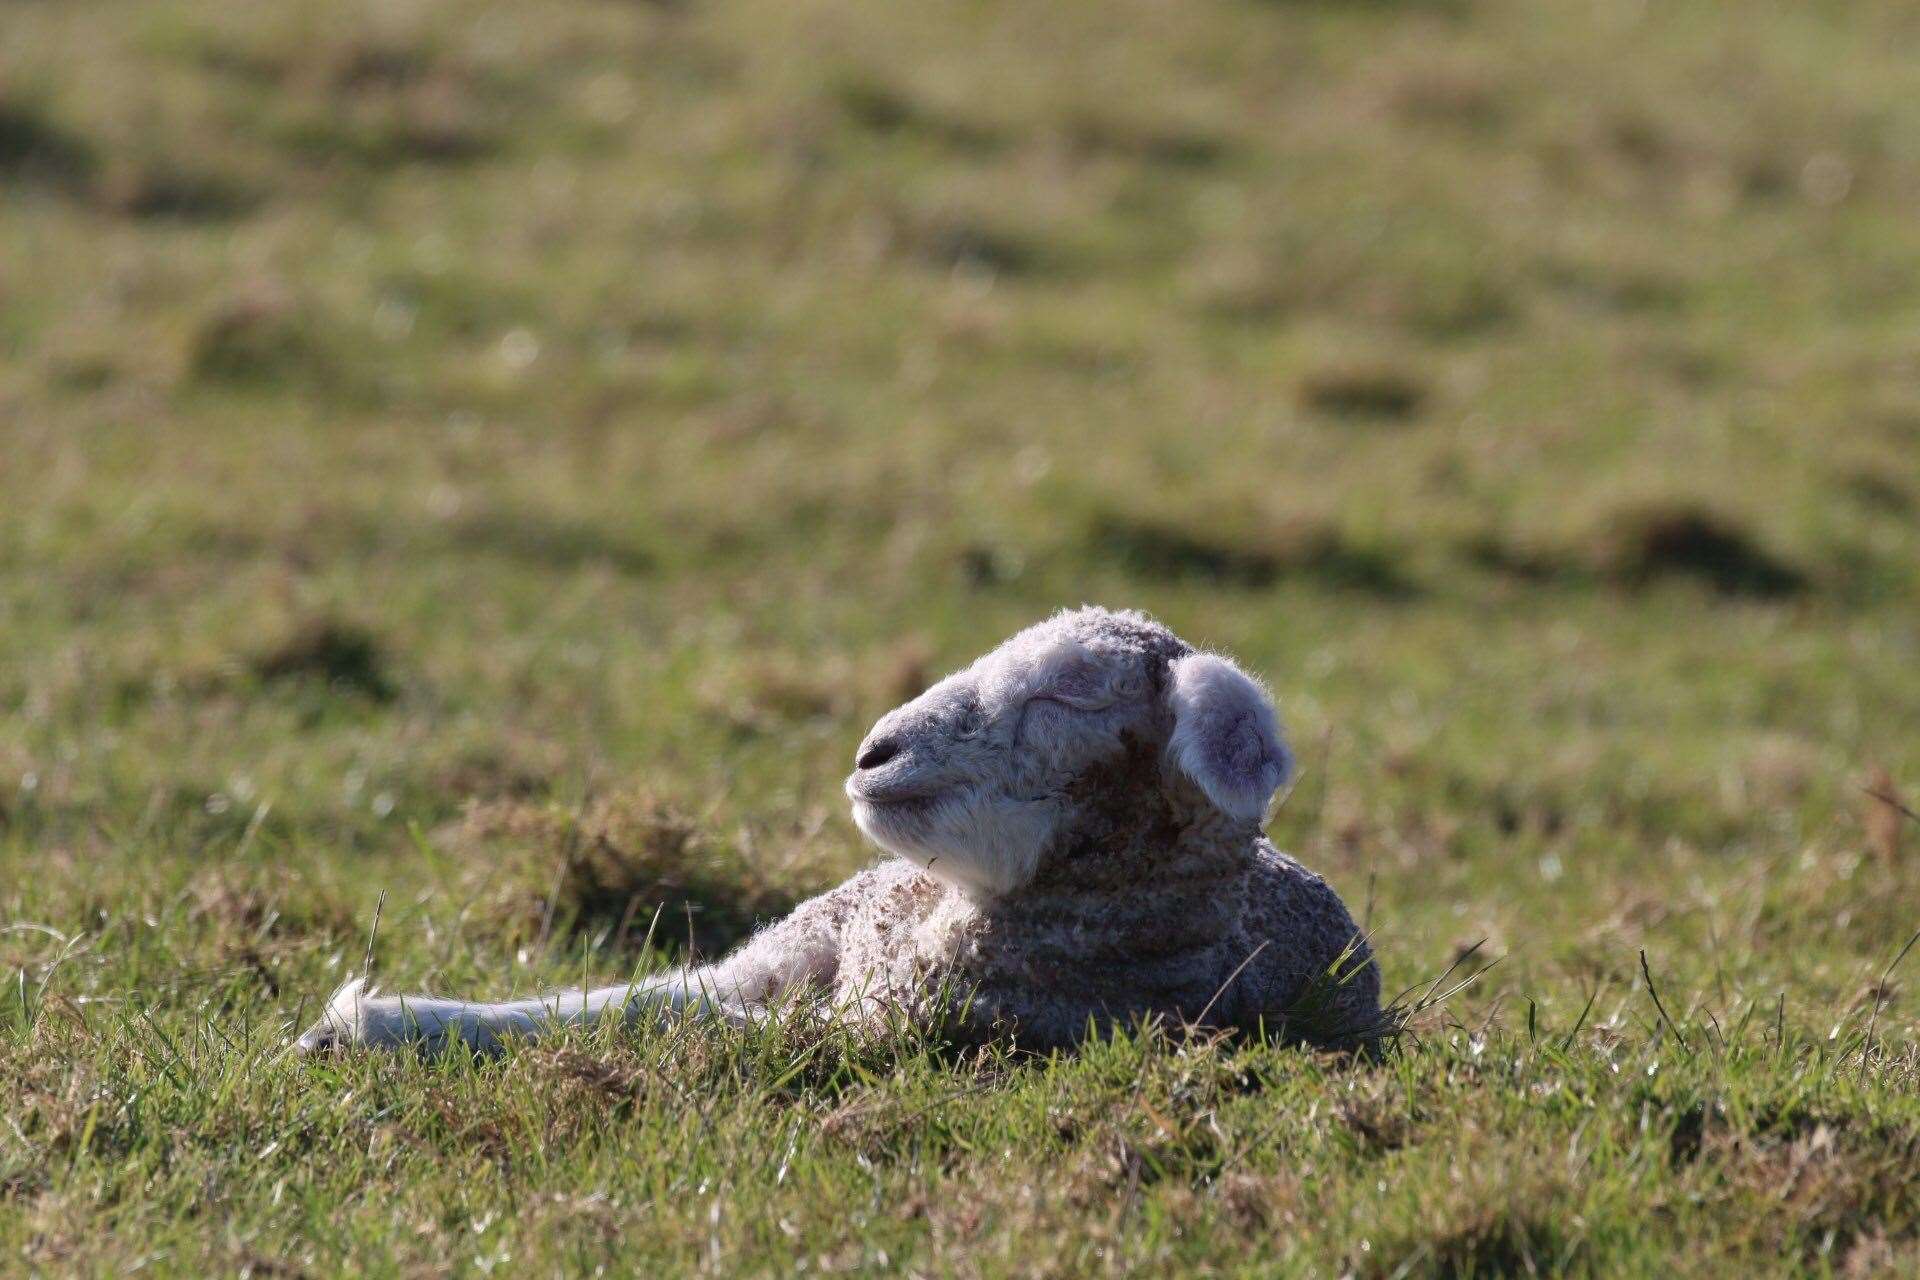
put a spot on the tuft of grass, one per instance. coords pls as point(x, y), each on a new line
point(34, 149)
point(1519, 1237)
point(956, 241)
point(1142, 141)
point(1305, 550)
point(261, 338)
point(1646, 544)
point(340, 656)
point(1365, 393)
point(886, 111)
point(166, 189)
point(624, 867)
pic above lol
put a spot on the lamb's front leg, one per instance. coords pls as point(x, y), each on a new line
point(358, 1015)
point(800, 951)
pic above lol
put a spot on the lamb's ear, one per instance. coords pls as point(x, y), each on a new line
point(1226, 736)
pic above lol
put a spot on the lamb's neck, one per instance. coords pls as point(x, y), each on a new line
point(1142, 892)
point(1163, 847)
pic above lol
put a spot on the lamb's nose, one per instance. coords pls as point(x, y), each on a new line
point(875, 754)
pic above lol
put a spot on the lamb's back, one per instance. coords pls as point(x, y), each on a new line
point(1046, 967)
point(1315, 978)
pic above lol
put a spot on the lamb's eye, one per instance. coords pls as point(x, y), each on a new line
point(971, 721)
point(1082, 688)
point(1070, 702)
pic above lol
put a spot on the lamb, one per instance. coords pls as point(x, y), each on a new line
point(1073, 826)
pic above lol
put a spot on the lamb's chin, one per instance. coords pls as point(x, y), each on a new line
point(902, 828)
point(983, 849)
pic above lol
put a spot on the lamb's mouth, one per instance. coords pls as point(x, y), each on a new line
point(896, 802)
point(916, 803)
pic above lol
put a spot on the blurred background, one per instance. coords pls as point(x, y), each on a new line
point(506, 454)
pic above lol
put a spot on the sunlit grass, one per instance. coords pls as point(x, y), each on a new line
point(502, 458)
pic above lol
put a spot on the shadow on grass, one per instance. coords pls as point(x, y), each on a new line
point(36, 151)
point(623, 866)
point(339, 655)
point(545, 540)
point(883, 110)
point(1642, 546)
point(1312, 552)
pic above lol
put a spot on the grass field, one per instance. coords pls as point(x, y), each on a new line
point(498, 459)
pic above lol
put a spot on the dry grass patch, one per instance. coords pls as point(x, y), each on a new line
point(770, 691)
point(1496, 1211)
point(262, 338)
point(1829, 1184)
point(1094, 135)
point(612, 865)
point(882, 109)
point(236, 909)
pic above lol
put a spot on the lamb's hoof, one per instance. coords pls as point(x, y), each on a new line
point(357, 1017)
point(318, 1038)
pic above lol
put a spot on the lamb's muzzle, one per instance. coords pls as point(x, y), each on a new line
point(1074, 823)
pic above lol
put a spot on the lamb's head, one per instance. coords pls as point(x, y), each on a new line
point(978, 777)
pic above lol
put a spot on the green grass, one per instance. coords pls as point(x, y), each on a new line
point(502, 458)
